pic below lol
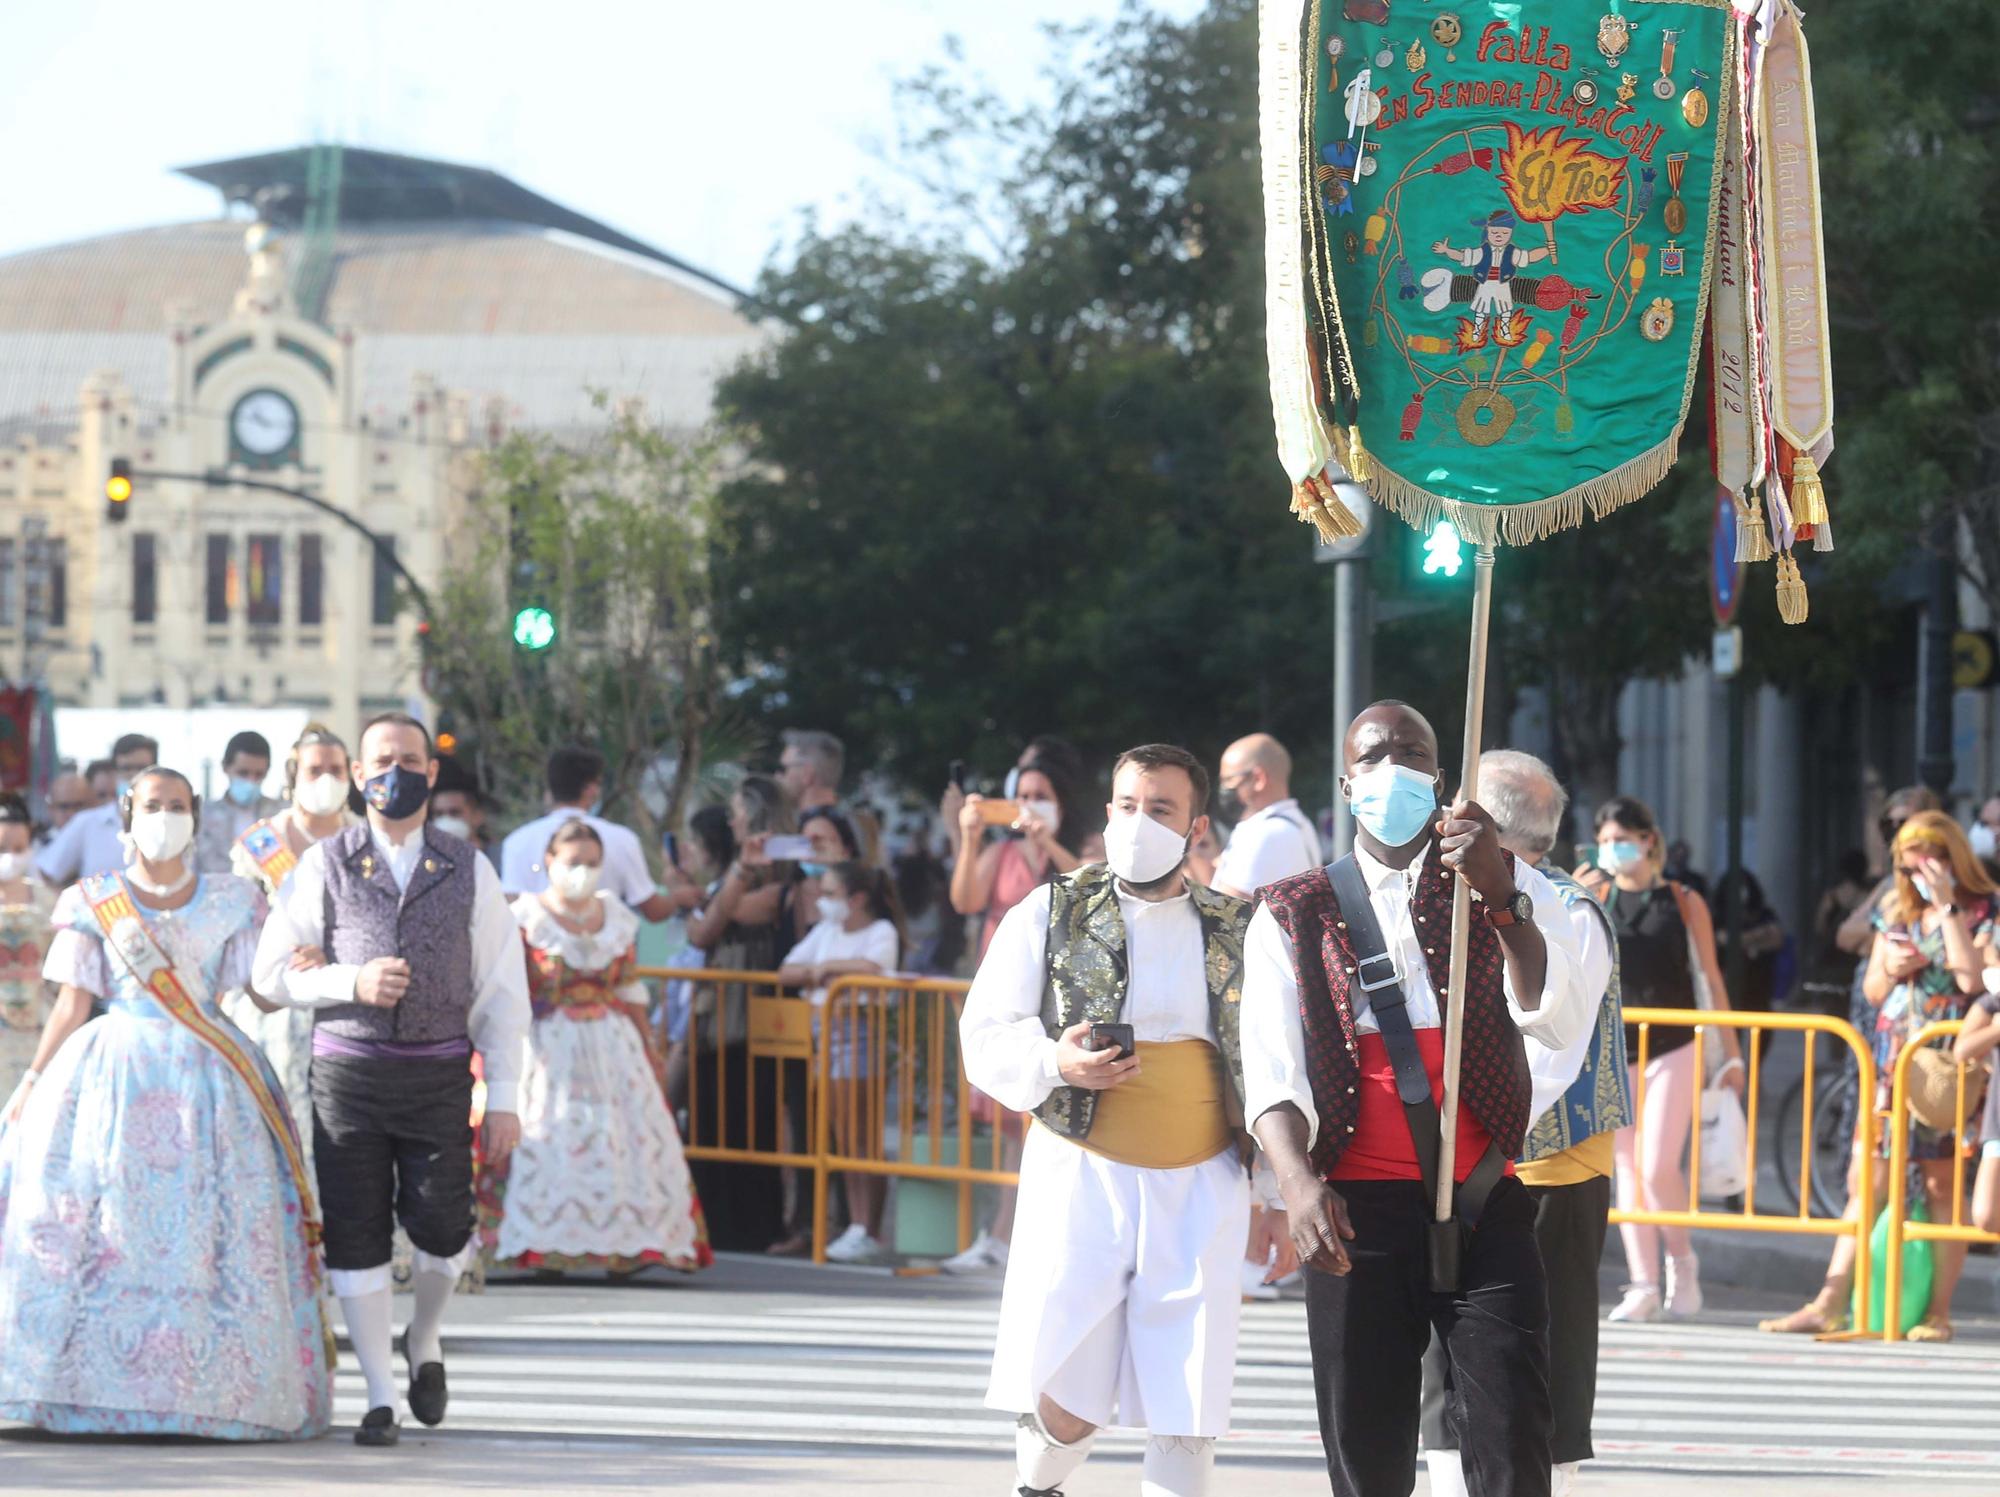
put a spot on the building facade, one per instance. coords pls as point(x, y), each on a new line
point(360, 333)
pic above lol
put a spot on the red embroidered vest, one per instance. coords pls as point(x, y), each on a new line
point(1493, 1079)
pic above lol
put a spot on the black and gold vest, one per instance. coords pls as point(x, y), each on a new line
point(1087, 976)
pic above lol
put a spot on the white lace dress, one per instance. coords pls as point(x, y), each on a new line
point(599, 1179)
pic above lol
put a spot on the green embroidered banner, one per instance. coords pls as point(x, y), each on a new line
point(1508, 228)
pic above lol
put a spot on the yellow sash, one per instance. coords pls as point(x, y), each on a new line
point(1171, 1115)
point(267, 847)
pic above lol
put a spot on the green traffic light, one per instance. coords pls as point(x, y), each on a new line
point(1444, 553)
point(534, 629)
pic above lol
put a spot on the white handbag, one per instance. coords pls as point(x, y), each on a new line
point(1725, 1144)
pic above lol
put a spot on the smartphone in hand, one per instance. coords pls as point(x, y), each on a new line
point(788, 849)
point(999, 812)
point(1113, 1037)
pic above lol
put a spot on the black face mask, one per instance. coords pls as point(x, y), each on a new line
point(1229, 801)
point(397, 793)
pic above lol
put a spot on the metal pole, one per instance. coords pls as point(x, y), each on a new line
point(1934, 760)
point(1461, 900)
point(1733, 841)
point(1346, 687)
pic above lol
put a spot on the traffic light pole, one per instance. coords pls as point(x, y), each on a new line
point(383, 550)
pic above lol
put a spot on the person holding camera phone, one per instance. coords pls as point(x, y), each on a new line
point(1107, 1005)
point(1041, 818)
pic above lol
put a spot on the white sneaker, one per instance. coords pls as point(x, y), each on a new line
point(1565, 1478)
point(853, 1246)
point(1641, 1303)
point(1254, 1286)
point(987, 1251)
point(1683, 1287)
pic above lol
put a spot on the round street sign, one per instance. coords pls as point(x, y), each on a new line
point(1725, 572)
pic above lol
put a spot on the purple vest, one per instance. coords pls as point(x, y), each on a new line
point(429, 926)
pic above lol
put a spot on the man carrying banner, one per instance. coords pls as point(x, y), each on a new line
point(423, 966)
point(1343, 1050)
point(1107, 1004)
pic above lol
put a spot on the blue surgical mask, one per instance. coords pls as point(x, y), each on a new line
point(812, 870)
point(244, 791)
point(1393, 803)
point(1620, 857)
point(1923, 888)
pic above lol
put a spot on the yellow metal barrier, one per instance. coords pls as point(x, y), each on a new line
point(740, 1026)
point(1900, 1227)
point(1860, 1216)
point(890, 1046)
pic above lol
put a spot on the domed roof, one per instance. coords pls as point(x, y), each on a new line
point(529, 311)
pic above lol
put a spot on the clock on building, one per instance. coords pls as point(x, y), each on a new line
point(264, 429)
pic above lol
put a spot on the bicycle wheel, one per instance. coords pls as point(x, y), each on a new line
point(1833, 1144)
point(1790, 1131)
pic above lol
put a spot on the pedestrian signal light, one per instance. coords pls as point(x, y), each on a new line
point(534, 629)
point(1444, 553)
point(118, 490)
point(447, 743)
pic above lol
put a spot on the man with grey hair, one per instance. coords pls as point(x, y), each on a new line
point(1581, 1096)
point(810, 768)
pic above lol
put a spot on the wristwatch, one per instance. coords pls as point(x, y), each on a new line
point(1519, 910)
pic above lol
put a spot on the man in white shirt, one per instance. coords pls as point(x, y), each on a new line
point(1338, 1105)
point(92, 841)
point(399, 939)
point(1273, 838)
point(1121, 1302)
point(246, 762)
point(575, 778)
point(1582, 1096)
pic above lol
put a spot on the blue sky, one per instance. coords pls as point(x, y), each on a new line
point(702, 128)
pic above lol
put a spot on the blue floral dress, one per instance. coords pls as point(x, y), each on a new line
point(154, 1277)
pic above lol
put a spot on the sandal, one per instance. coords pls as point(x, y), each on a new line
point(1819, 1317)
point(1932, 1328)
point(795, 1246)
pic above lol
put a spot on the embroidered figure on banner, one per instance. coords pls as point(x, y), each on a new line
point(1493, 263)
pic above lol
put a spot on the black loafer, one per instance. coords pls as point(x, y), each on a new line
point(428, 1394)
point(378, 1427)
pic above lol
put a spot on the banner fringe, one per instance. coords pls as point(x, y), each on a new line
point(1523, 524)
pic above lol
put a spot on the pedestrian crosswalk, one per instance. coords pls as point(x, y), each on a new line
point(908, 1371)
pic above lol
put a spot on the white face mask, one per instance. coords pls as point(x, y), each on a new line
point(321, 795)
point(1142, 851)
point(14, 865)
point(162, 836)
point(1985, 841)
point(1047, 812)
point(833, 909)
point(453, 826)
point(576, 882)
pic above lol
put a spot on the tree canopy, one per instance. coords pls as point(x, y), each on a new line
point(1011, 468)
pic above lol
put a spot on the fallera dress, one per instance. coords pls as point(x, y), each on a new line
point(156, 1274)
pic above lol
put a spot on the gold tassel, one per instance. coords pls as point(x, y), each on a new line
point(1791, 591)
point(1359, 468)
point(1808, 494)
point(1753, 540)
point(1316, 504)
point(1823, 536)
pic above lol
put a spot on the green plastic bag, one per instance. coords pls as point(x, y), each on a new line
point(1918, 1269)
